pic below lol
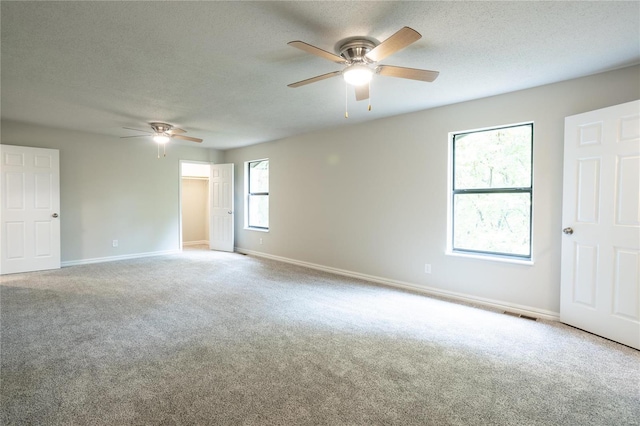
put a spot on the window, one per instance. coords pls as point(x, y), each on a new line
point(257, 178)
point(492, 191)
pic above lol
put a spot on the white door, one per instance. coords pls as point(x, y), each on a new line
point(30, 204)
point(222, 214)
point(600, 279)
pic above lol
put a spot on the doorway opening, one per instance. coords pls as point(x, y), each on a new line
point(194, 205)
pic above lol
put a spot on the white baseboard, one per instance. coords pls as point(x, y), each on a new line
point(490, 303)
point(194, 243)
point(114, 258)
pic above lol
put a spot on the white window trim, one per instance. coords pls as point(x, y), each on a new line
point(248, 228)
point(490, 257)
point(246, 195)
point(478, 256)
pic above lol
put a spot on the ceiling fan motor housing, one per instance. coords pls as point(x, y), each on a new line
point(160, 128)
point(354, 51)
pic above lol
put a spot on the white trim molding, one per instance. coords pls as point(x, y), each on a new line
point(114, 258)
point(461, 297)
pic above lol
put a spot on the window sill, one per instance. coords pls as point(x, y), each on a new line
point(247, 228)
point(501, 259)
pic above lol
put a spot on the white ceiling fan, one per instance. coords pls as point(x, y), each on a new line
point(361, 57)
point(161, 133)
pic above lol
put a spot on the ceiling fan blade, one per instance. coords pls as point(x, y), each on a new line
point(314, 79)
point(136, 136)
point(138, 130)
point(398, 41)
point(187, 138)
point(362, 92)
point(317, 51)
point(410, 73)
point(175, 130)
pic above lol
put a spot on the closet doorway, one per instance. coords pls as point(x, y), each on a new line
point(194, 205)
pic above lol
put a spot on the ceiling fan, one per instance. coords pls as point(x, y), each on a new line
point(361, 56)
point(161, 133)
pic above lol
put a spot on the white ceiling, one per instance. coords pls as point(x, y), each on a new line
point(220, 69)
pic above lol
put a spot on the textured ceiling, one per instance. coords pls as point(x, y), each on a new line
point(221, 69)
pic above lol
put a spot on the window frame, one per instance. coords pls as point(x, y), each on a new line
point(249, 194)
point(453, 191)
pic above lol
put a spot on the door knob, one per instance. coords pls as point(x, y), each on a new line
point(568, 231)
point(54, 215)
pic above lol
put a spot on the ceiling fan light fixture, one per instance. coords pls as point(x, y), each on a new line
point(357, 74)
point(161, 139)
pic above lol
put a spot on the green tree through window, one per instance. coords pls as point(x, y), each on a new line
point(492, 191)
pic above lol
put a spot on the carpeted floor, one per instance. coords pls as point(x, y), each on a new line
point(225, 339)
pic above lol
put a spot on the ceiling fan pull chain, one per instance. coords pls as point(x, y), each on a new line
point(164, 150)
point(346, 100)
point(369, 96)
point(158, 150)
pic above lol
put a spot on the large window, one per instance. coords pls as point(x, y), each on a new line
point(492, 191)
point(257, 178)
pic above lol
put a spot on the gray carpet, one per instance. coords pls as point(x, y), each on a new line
point(225, 339)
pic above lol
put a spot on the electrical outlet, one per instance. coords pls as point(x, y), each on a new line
point(427, 268)
point(115, 243)
point(260, 240)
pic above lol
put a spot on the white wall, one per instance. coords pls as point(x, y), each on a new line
point(111, 189)
point(372, 198)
